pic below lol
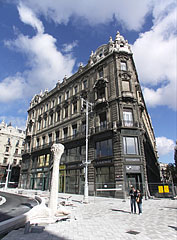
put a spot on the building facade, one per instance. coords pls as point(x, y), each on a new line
point(11, 150)
point(122, 147)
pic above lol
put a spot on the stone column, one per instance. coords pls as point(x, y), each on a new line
point(57, 150)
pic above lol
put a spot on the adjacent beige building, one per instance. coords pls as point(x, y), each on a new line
point(11, 150)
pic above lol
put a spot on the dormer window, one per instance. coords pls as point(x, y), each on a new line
point(123, 66)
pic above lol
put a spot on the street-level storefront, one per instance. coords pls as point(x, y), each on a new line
point(40, 172)
point(75, 178)
point(62, 178)
point(104, 178)
point(133, 177)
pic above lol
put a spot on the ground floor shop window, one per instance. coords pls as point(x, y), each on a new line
point(104, 180)
point(39, 181)
point(75, 181)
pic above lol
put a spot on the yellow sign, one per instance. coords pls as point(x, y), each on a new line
point(62, 167)
point(160, 189)
point(166, 189)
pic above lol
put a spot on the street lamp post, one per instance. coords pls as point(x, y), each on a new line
point(86, 163)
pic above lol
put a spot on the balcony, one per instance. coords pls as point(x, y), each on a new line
point(128, 124)
point(101, 103)
point(102, 128)
point(127, 95)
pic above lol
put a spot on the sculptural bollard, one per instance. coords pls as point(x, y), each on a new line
point(57, 150)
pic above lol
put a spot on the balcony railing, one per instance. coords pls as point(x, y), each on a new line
point(127, 123)
point(102, 127)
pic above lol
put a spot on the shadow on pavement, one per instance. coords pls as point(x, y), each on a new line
point(119, 210)
point(173, 227)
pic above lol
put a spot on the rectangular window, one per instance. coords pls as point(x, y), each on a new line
point(16, 151)
point(66, 112)
point(84, 84)
point(65, 131)
point(15, 161)
point(43, 140)
point(5, 160)
point(59, 99)
point(74, 127)
point(7, 149)
point(46, 107)
point(104, 148)
point(37, 145)
point(51, 119)
point(130, 145)
point(50, 138)
point(53, 103)
point(75, 89)
point(45, 122)
point(128, 118)
point(57, 135)
point(58, 116)
point(101, 73)
point(67, 95)
point(39, 125)
point(74, 107)
point(123, 66)
point(103, 122)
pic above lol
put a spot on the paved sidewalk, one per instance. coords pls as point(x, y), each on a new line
point(108, 218)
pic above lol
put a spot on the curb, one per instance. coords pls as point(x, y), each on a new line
point(17, 222)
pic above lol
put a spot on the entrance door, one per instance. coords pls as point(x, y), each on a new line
point(135, 180)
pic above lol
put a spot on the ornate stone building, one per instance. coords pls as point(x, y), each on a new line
point(122, 147)
point(11, 149)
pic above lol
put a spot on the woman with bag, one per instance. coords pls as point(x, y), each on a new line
point(139, 201)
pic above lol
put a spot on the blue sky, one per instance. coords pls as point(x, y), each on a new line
point(42, 41)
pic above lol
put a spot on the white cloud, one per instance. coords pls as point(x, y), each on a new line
point(69, 47)
point(155, 57)
point(45, 63)
point(164, 145)
point(11, 88)
point(129, 13)
point(27, 16)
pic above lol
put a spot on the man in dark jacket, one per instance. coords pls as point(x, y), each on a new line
point(133, 195)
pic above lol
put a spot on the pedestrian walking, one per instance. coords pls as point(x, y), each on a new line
point(133, 196)
point(139, 201)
